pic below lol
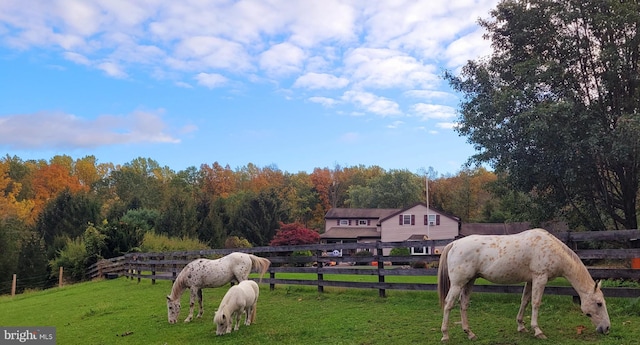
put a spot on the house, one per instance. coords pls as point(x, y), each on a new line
point(351, 225)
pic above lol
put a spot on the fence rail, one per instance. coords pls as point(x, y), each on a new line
point(287, 259)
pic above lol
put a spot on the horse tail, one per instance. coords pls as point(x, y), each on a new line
point(260, 265)
point(443, 275)
point(254, 311)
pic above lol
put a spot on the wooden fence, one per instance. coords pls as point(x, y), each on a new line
point(612, 261)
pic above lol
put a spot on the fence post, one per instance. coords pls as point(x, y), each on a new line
point(174, 271)
point(137, 267)
point(60, 276)
point(380, 258)
point(319, 270)
point(153, 271)
point(272, 276)
point(13, 286)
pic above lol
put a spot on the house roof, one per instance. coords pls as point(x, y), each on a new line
point(399, 211)
point(350, 232)
point(344, 213)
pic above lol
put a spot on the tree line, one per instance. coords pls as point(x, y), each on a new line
point(52, 211)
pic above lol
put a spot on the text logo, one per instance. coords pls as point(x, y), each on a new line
point(27, 335)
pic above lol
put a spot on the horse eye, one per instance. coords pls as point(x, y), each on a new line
point(599, 304)
point(589, 315)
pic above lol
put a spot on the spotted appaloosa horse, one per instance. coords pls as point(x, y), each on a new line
point(533, 256)
point(204, 273)
point(239, 300)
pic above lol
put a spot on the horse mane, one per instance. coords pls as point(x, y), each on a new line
point(179, 285)
point(576, 267)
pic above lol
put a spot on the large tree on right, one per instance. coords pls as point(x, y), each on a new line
point(555, 108)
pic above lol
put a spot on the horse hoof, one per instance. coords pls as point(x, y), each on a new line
point(541, 336)
point(444, 339)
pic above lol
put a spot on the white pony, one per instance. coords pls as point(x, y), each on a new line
point(533, 256)
point(204, 273)
point(240, 300)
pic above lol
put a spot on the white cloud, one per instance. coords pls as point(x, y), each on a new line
point(447, 125)
point(467, 48)
point(385, 68)
point(372, 103)
point(320, 81)
point(184, 85)
point(205, 52)
point(211, 80)
point(395, 124)
point(77, 58)
point(325, 101)
point(112, 69)
point(433, 111)
point(430, 94)
point(61, 130)
point(79, 17)
point(282, 59)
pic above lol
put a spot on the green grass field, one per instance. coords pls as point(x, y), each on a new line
point(122, 311)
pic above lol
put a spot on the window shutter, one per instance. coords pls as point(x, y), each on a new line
point(400, 218)
point(437, 219)
point(413, 219)
point(368, 221)
point(426, 219)
point(349, 222)
point(337, 221)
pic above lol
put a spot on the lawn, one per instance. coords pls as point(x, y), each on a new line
point(122, 311)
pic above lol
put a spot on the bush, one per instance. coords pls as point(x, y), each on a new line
point(363, 253)
point(400, 252)
point(159, 243)
point(419, 264)
point(236, 242)
point(72, 258)
point(301, 253)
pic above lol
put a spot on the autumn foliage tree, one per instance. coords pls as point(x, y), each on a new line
point(294, 234)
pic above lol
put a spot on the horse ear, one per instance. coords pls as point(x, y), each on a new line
point(598, 285)
point(168, 298)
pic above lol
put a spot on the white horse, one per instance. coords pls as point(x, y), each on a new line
point(241, 299)
point(533, 256)
point(204, 273)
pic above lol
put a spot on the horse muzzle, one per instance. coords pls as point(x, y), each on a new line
point(602, 329)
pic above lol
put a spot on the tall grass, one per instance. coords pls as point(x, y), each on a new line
point(152, 242)
point(122, 311)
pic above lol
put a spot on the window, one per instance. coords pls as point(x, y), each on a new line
point(363, 222)
point(419, 251)
point(432, 219)
point(407, 219)
point(344, 222)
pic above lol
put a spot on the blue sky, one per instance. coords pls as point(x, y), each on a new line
point(295, 84)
